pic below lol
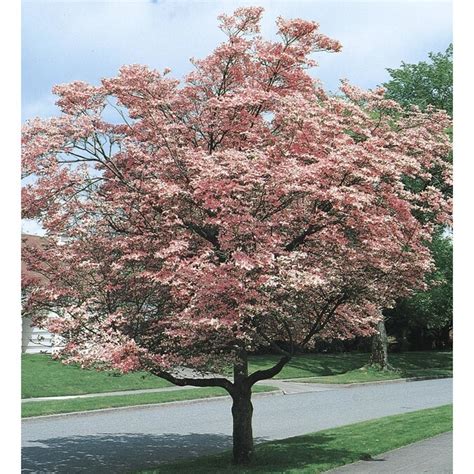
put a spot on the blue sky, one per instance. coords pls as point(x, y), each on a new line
point(79, 40)
point(89, 40)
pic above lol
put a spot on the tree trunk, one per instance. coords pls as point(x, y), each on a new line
point(379, 354)
point(241, 392)
point(404, 344)
point(242, 411)
point(444, 338)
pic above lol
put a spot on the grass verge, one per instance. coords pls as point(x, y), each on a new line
point(324, 450)
point(41, 376)
point(52, 407)
point(351, 366)
point(45, 377)
point(369, 374)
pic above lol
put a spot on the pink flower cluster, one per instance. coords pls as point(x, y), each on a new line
point(238, 209)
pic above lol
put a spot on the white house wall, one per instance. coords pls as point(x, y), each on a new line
point(35, 340)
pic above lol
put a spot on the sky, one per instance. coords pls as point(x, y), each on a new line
point(88, 40)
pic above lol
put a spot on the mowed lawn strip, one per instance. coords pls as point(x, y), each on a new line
point(52, 407)
point(41, 376)
point(352, 366)
point(44, 377)
point(324, 450)
point(369, 374)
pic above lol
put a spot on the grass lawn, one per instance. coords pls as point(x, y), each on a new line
point(350, 367)
point(95, 403)
point(324, 450)
point(42, 376)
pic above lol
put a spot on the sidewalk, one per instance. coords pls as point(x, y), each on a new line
point(433, 456)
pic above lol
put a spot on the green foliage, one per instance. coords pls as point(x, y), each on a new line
point(428, 312)
point(427, 315)
point(424, 83)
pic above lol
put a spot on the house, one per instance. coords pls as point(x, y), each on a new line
point(35, 340)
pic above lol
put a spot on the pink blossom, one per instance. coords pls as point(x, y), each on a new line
point(237, 208)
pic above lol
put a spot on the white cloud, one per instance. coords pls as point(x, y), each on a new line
point(90, 40)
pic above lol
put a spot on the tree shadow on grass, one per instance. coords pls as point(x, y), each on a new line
point(412, 364)
point(314, 453)
point(126, 453)
point(118, 453)
point(407, 364)
point(328, 364)
point(303, 451)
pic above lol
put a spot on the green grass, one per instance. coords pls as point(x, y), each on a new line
point(51, 407)
point(370, 374)
point(324, 450)
point(351, 367)
point(42, 376)
point(45, 377)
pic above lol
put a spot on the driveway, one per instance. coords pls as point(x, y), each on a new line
point(124, 440)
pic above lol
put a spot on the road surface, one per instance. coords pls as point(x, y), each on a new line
point(126, 440)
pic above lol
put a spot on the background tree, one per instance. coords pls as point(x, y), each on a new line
point(237, 210)
point(425, 85)
point(425, 320)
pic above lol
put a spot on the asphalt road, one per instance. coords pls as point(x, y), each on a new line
point(126, 440)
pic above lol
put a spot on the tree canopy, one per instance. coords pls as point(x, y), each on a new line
point(191, 222)
point(231, 209)
point(424, 83)
point(426, 313)
point(425, 319)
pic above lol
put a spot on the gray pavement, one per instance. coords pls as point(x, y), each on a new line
point(124, 440)
point(433, 456)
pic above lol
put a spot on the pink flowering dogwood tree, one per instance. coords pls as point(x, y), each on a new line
point(189, 223)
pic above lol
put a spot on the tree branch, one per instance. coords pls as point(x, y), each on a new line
point(210, 235)
point(268, 373)
point(203, 382)
point(300, 238)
